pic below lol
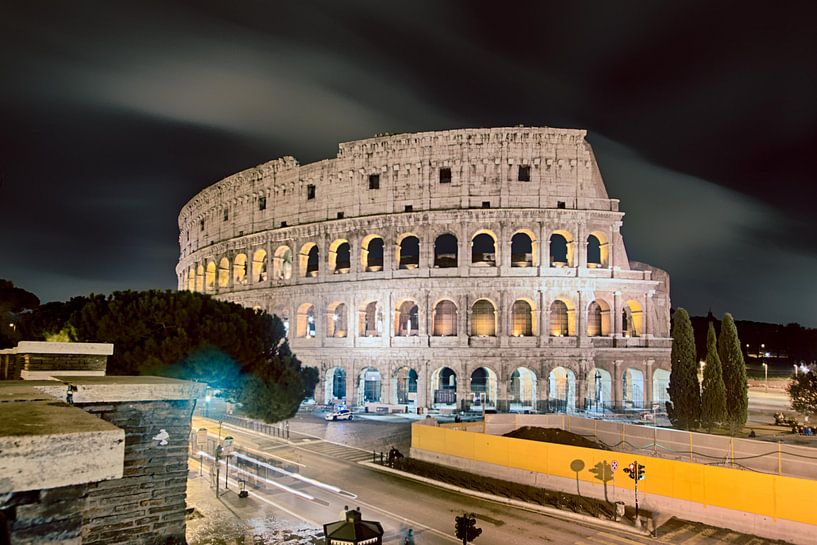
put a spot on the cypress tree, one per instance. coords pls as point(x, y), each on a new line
point(684, 407)
point(713, 397)
point(734, 375)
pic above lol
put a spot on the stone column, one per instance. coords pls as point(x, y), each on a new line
point(617, 314)
point(647, 319)
point(648, 372)
point(351, 384)
point(581, 246)
point(503, 247)
point(581, 313)
point(464, 388)
point(386, 382)
point(544, 247)
point(581, 385)
point(422, 385)
point(618, 386)
point(320, 387)
point(542, 389)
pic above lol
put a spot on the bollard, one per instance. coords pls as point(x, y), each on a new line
point(374, 457)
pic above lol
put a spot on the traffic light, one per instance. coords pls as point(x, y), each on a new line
point(630, 470)
point(640, 472)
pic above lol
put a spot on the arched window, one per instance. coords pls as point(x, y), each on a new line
point(259, 266)
point(521, 319)
point(210, 277)
point(371, 254)
point(445, 319)
point(561, 249)
point(336, 325)
point(340, 257)
point(200, 278)
point(240, 269)
point(191, 279)
point(632, 319)
point(407, 320)
point(408, 252)
point(597, 250)
point(522, 250)
point(559, 319)
point(483, 250)
point(306, 321)
point(370, 322)
point(483, 319)
point(309, 260)
point(445, 251)
point(223, 273)
point(282, 263)
point(598, 319)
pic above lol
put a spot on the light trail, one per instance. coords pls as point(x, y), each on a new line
point(278, 485)
point(298, 476)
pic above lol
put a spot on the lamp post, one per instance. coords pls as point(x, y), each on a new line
point(766, 375)
point(598, 389)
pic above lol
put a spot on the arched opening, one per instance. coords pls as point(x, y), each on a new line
point(369, 386)
point(282, 263)
point(523, 249)
point(340, 259)
point(444, 319)
point(444, 383)
point(445, 251)
point(306, 327)
point(483, 250)
point(200, 278)
point(407, 320)
point(334, 385)
point(191, 279)
point(259, 266)
point(522, 318)
point(210, 277)
point(599, 390)
point(371, 254)
point(337, 324)
point(483, 319)
point(660, 383)
point(223, 273)
point(598, 319)
point(632, 319)
point(562, 390)
point(408, 252)
point(633, 388)
point(483, 386)
point(561, 249)
point(522, 390)
point(597, 250)
point(405, 386)
point(240, 269)
point(309, 260)
point(562, 318)
point(283, 313)
point(370, 323)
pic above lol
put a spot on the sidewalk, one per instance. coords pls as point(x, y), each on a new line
point(230, 520)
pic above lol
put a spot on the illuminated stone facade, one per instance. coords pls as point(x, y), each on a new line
point(425, 269)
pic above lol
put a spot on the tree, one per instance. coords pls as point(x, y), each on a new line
point(713, 396)
point(734, 375)
point(684, 407)
point(466, 527)
point(14, 302)
point(803, 393)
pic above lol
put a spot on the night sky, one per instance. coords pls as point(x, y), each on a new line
point(703, 119)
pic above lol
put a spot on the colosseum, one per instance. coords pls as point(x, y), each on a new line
point(474, 268)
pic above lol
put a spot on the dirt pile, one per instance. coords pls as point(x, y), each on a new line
point(554, 435)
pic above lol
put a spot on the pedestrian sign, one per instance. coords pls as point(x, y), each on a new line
point(614, 465)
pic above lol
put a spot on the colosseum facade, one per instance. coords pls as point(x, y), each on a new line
point(465, 268)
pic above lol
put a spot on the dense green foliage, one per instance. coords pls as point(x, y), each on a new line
point(734, 375)
point(803, 393)
point(192, 336)
point(713, 396)
point(14, 301)
point(684, 407)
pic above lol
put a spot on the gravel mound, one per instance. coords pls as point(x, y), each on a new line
point(554, 435)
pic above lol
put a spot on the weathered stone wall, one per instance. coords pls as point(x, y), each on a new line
point(52, 516)
point(146, 506)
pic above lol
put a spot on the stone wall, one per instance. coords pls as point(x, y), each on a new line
point(52, 516)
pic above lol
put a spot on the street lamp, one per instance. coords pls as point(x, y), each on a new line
point(598, 389)
point(766, 375)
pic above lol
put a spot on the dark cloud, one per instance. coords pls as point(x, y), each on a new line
point(702, 116)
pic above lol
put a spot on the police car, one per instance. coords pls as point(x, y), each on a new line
point(341, 413)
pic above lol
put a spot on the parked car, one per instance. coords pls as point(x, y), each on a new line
point(340, 414)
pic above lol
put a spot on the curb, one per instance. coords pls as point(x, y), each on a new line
point(552, 511)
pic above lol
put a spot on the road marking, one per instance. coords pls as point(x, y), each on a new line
point(678, 531)
point(699, 536)
point(409, 521)
point(614, 537)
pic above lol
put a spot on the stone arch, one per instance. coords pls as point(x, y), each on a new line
point(340, 256)
point(337, 324)
point(660, 383)
point(370, 386)
point(309, 260)
point(404, 386)
point(632, 319)
point(562, 318)
point(371, 253)
point(483, 318)
point(483, 249)
point(370, 320)
point(599, 390)
point(484, 381)
point(562, 389)
point(259, 265)
point(407, 252)
point(224, 273)
point(446, 251)
point(522, 389)
point(444, 319)
point(283, 313)
point(406, 319)
point(633, 388)
point(191, 279)
point(200, 278)
point(523, 248)
point(306, 327)
point(598, 318)
point(210, 277)
point(598, 250)
point(444, 387)
point(240, 269)
point(561, 248)
point(334, 385)
point(523, 318)
point(282, 263)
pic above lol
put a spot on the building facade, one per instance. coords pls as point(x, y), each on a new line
point(442, 269)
